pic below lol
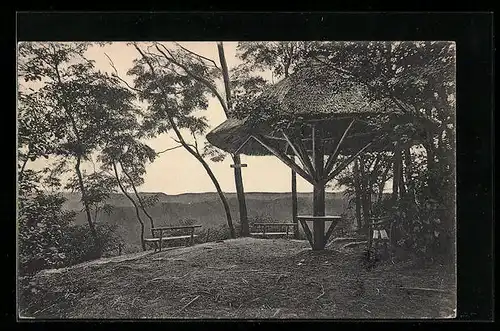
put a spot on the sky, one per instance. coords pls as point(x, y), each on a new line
point(176, 171)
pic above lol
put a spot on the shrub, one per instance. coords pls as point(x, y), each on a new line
point(79, 244)
point(46, 238)
point(42, 232)
point(215, 233)
point(419, 226)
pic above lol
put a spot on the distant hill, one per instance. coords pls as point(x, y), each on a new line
point(119, 200)
point(205, 208)
point(73, 200)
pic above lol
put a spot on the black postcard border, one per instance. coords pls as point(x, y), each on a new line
point(473, 33)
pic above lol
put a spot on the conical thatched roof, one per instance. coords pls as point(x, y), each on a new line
point(312, 95)
point(319, 90)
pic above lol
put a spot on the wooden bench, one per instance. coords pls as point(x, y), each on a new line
point(380, 232)
point(263, 227)
point(378, 227)
point(158, 235)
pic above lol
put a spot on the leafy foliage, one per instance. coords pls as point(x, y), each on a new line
point(418, 78)
point(78, 246)
point(182, 94)
point(47, 237)
point(213, 153)
point(73, 102)
point(175, 83)
point(70, 109)
point(282, 57)
point(42, 231)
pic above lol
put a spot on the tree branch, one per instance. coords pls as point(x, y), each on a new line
point(195, 146)
point(168, 149)
point(169, 117)
point(118, 76)
point(191, 151)
point(198, 55)
point(176, 140)
point(201, 79)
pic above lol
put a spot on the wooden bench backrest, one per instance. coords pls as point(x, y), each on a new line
point(164, 229)
point(282, 226)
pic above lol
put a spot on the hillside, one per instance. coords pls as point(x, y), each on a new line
point(241, 278)
point(119, 200)
point(205, 208)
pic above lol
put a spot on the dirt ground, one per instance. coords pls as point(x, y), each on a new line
point(242, 278)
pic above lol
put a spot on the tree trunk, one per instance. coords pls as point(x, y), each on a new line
point(381, 184)
point(210, 174)
point(365, 192)
point(143, 244)
point(430, 150)
point(396, 176)
point(96, 213)
point(141, 203)
point(295, 205)
point(21, 171)
point(402, 184)
point(194, 153)
point(69, 114)
point(245, 231)
point(357, 194)
point(221, 195)
point(93, 232)
point(408, 172)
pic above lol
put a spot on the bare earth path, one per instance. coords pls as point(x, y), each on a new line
point(241, 278)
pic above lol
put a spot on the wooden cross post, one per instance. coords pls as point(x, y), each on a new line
point(241, 165)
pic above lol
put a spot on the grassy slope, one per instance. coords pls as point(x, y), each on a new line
point(241, 278)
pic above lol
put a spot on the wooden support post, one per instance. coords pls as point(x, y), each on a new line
point(319, 189)
point(328, 234)
point(245, 230)
point(242, 165)
point(333, 157)
point(346, 163)
point(307, 232)
point(295, 205)
point(301, 154)
point(236, 152)
point(284, 158)
point(305, 156)
point(161, 236)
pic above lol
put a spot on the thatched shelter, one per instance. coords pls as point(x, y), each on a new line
point(310, 96)
point(315, 115)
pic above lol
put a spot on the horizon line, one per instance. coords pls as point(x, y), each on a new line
point(206, 192)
